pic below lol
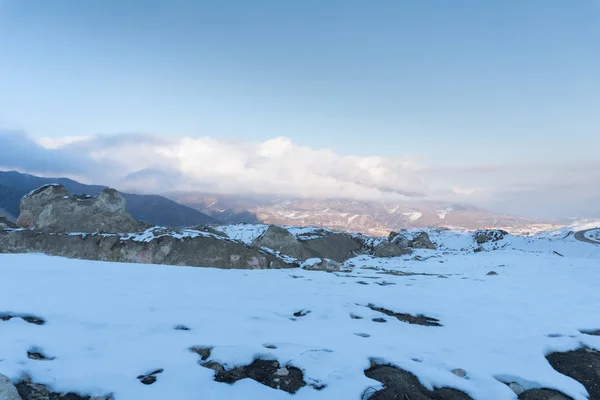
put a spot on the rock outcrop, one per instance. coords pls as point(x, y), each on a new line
point(489, 235)
point(154, 246)
point(281, 240)
point(335, 246)
point(421, 241)
point(51, 208)
point(390, 249)
point(398, 239)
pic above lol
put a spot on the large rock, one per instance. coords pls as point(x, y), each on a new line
point(398, 239)
point(154, 246)
point(389, 249)
point(51, 208)
point(421, 241)
point(34, 391)
point(583, 365)
point(8, 391)
point(281, 240)
point(335, 246)
point(400, 384)
point(489, 235)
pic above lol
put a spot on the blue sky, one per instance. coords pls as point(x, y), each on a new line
point(456, 82)
point(491, 102)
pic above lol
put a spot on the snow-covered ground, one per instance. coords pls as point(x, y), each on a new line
point(107, 323)
point(593, 234)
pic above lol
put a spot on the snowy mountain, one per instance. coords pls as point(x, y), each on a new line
point(375, 218)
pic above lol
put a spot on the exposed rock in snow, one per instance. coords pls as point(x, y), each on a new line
point(388, 249)
point(51, 208)
point(5, 223)
point(489, 235)
point(281, 240)
point(321, 264)
point(154, 246)
point(421, 241)
point(398, 239)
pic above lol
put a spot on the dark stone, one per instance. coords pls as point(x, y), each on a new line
point(268, 372)
point(203, 352)
point(583, 365)
point(301, 313)
point(543, 394)
point(182, 328)
point(33, 391)
point(38, 355)
point(401, 385)
point(411, 319)
point(380, 320)
point(491, 273)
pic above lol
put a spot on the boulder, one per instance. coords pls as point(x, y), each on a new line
point(489, 235)
point(34, 391)
point(8, 391)
point(335, 246)
point(321, 264)
point(400, 384)
point(51, 208)
point(389, 249)
point(398, 239)
point(281, 240)
point(421, 241)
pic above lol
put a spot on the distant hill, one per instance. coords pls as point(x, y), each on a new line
point(153, 209)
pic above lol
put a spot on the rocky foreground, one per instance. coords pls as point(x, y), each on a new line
point(423, 314)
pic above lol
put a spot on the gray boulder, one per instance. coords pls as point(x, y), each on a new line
point(421, 241)
point(8, 391)
point(389, 249)
point(335, 246)
point(51, 208)
point(398, 239)
point(321, 264)
point(281, 240)
point(489, 235)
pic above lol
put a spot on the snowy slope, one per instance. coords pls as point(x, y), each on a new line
point(119, 320)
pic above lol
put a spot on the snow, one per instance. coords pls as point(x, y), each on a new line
point(246, 233)
point(413, 215)
point(119, 320)
point(593, 234)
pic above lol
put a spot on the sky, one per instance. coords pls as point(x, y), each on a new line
point(495, 103)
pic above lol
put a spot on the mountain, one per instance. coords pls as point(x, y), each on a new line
point(369, 217)
point(153, 209)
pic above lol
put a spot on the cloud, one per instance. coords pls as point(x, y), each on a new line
point(156, 164)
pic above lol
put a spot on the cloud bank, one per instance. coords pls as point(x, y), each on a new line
point(155, 164)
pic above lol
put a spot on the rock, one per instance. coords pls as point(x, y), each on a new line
point(268, 372)
point(543, 394)
point(5, 223)
point(8, 391)
point(389, 249)
point(492, 273)
point(51, 208)
point(461, 373)
point(335, 246)
point(321, 264)
point(33, 391)
point(398, 239)
point(422, 241)
point(153, 246)
point(203, 352)
point(515, 387)
point(281, 240)
point(408, 318)
point(479, 249)
point(583, 365)
point(399, 384)
point(489, 235)
point(215, 366)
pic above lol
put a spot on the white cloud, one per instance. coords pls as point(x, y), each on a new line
point(154, 164)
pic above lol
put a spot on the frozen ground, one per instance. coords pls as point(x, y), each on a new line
point(107, 323)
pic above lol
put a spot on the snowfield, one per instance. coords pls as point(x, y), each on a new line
point(107, 323)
